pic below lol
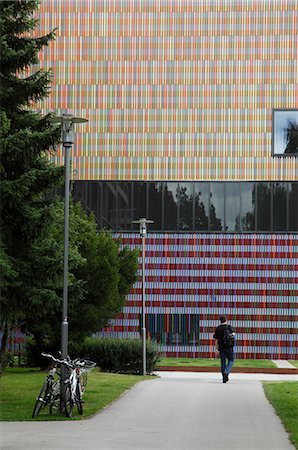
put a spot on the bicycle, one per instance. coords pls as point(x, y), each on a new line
point(48, 393)
point(75, 385)
point(71, 396)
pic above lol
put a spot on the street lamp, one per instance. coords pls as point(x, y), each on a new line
point(143, 231)
point(67, 123)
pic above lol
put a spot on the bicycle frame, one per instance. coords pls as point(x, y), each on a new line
point(75, 382)
point(74, 386)
point(47, 394)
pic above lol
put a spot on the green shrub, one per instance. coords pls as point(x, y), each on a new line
point(8, 359)
point(120, 355)
point(35, 349)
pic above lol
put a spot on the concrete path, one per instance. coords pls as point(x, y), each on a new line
point(283, 364)
point(177, 411)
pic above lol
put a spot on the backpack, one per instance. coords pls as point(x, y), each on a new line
point(228, 338)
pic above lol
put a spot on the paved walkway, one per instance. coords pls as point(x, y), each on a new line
point(176, 411)
point(283, 364)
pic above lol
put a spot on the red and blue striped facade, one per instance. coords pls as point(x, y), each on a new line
point(193, 278)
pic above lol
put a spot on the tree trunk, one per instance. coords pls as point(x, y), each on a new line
point(4, 339)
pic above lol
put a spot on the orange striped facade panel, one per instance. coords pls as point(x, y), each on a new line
point(173, 90)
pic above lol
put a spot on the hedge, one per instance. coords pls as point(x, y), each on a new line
point(120, 355)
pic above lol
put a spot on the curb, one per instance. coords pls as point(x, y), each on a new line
point(271, 370)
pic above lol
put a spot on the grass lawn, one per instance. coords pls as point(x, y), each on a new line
point(214, 362)
point(283, 395)
point(19, 388)
point(294, 363)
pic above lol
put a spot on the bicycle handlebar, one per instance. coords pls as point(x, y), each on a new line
point(58, 361)
point(88, 365)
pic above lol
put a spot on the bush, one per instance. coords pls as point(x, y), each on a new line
point(33, 352)
point(120, 355)
point(8, 359)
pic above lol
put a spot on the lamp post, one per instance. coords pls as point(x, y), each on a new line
point(67, 123)
point(143, 231)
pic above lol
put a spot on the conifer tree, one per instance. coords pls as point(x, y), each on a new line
point(31, 247)
point(27, 176)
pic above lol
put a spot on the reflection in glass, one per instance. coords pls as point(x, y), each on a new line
point(247, 201)
point(201, 199)
point(109, 205)
point(279, 206)
point(79, 192)
point(185, 214)
point(232, 205)
point(293, 206)
point(170, 206)
point(264, 206)
point(124, 206)
point(139, 200)
point(217, 196)
point(186, 205)
point(285, 132)
point(94, 203)
point(155, 205)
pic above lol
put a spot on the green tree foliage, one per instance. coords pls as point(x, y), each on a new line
point(101, 274)
point(26, 174)
point(31, 247)
point(108, 275)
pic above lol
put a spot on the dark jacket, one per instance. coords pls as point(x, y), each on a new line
point(219, 333)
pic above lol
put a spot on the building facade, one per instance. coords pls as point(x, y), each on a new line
point(193, 116)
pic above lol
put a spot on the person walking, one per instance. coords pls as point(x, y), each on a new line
point(224, 342)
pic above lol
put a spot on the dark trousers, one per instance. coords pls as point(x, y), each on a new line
point(226, 354)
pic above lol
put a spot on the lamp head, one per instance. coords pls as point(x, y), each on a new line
point(67, 121)
point(143, 228)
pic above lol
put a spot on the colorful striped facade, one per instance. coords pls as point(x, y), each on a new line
point(192, 278)
point(184, 90)
point(174, 89)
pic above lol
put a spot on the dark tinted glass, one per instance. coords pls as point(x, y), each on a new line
point(79, 191)
point(247, 204)
point(280, 206)
point(185, 212)
point(93, 196)
point(109, 205)
point(217, 196)
point(232, 205)
point(124, 206)
point(201, 204)
point(139, 201)
point(170, 206)
point(88, 193)
point(293, 206)
point(264, 206)
point(155, 205)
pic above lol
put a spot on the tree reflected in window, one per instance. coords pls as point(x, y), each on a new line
point(155, 205)
point(186, 206)
point(217, 194)
point(201, 206)
point(264, 206)
point(170, 206)
point(246, 220)
point(291, 134)
point(279, 206)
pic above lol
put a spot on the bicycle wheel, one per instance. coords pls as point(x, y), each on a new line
point(41, 399)
point(68, 401)
point(79, 399)
point(55, 398)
